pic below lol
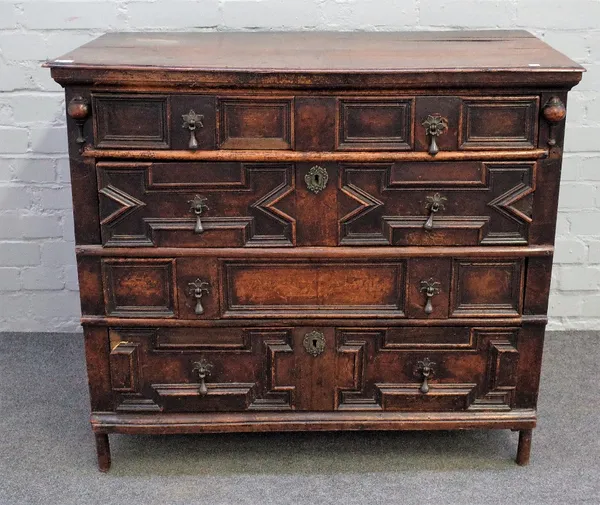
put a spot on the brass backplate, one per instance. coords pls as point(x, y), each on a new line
point(314, 343)
point(316, 179)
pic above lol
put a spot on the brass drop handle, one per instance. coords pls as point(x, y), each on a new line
point(197, 289)
point(431, 288)
point(203, 369)
point(434, 125)
point(191, 121)
point(433, 205)
point(197, 206)
point(425, 371)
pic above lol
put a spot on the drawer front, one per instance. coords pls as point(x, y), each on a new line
point(443, 203)
point(313, 368)
point(326, 123)
point(196, 204)
point(427, 369)
point(161, 121)
point(233, 204)
point(436, 123)
point(208, 369)
point(255, 287)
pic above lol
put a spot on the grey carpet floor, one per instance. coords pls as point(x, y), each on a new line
point(47, 454)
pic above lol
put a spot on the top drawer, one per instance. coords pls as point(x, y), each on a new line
point(319, 123)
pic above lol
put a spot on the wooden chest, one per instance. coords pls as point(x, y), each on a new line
point(314, 231)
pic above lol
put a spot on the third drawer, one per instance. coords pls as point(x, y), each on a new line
point(245, 287)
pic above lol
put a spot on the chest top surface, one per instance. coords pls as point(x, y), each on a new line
point(296, 56)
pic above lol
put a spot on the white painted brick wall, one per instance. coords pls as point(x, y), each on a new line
point(38, 281)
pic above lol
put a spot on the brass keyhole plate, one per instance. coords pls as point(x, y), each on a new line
point(314, 343)
point(316, 179)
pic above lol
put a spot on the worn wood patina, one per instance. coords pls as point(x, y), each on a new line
point(314, 231)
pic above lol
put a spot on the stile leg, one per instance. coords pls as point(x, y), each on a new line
point(103, 451)
point(524, 448)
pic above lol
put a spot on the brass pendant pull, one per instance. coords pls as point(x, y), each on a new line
point(314, 343)
point(191, 121)
point(430, 288)
point(198, 205)
point(203, 368)
point(554, 112)
point(424, 370)
point(79, 110)
point(316, 179)
point(197, 289)
point(434, 205)
point(434, 125)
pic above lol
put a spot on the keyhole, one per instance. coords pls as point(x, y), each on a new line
point(317, 179)
point(315, 343)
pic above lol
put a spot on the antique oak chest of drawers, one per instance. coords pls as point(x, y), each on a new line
point(314, 231)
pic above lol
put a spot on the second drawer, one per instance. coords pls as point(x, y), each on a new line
point(211, 287)
point(233, 204)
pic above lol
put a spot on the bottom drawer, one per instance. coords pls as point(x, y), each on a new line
point(398, 368)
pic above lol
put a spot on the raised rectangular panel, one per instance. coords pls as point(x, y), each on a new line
point(139, 287)
point(443, 397)
point(499, 123)
point(228, 396)
point(131, 121)
point(124, 371)
point(457, 174)
point(202, 339)
point(486, 288)
point(195, 175)
point(313, 289)
point(255, 123)
point(374, 124)
point(434, 337)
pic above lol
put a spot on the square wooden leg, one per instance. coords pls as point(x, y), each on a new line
point(524, 449)
point(103, 451)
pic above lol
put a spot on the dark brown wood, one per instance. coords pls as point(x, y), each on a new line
point(272, 321)
point(309, 59)
point(103, 451)
point(363, 156)
point(83, 175)
point(339, 253)
point(304, 231)
point(524, 449)
point(161, 424)
point(150, 204)
point(479, 203)
point(254, 287)
point(261, 368)
point(98, 368)
point(139, 121)
point(499, 123)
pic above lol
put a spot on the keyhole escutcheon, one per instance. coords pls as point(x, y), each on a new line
point(316, 179)
point(314, 343)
